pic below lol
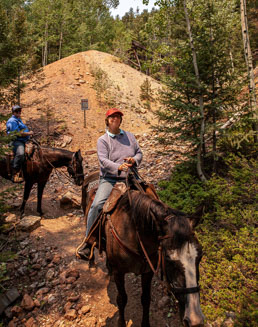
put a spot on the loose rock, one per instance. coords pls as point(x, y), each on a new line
point(27, 302)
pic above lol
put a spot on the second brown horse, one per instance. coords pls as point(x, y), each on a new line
point(36, 170)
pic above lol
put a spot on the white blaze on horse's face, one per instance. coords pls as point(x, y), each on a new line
point(187, 256)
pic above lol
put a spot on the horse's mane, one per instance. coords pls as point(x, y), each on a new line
point(149, 215)
point(63, 151)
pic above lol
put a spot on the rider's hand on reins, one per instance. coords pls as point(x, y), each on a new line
point(129, 162)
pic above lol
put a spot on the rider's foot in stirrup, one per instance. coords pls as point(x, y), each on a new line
point(83, 252)
point(16, 178)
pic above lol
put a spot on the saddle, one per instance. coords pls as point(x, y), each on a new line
point(118, 190)
point(89, 189)
point(95, 238)
point(30, 148)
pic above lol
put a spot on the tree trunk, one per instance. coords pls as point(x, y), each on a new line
point(232, 60)
point(19, 88)
point(249, 64)
point(201, 140)
point(60, 44)
point(45, 49)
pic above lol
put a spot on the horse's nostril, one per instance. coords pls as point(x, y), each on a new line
point(186, 322)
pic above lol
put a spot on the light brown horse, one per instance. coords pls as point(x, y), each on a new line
point(36, 170)
point(143, 235)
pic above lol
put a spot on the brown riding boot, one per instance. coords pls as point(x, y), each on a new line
point(85, 251)
point(16, 177)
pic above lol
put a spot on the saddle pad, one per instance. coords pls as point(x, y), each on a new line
point(118, 190)
point(29, 149)
point(91, 181)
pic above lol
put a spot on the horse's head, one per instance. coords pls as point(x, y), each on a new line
point(183, 254)
point(75, 168)
point(174, 231)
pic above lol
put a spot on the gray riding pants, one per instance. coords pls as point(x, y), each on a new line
point(103, 192)
point(19, 150)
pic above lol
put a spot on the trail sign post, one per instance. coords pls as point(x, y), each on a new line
point(84, 107)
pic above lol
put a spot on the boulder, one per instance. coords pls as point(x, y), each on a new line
point(71, 314)
point(70, 200)
point(85, 309)
point(29, 223)
point(67, 139)
point(7, 298)
point(10, 218)
point(30, 322)
point(27, 302)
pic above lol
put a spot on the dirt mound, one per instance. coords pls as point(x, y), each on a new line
point(101, 78)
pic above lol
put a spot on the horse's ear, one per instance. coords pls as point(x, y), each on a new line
point(78, 154)
point(194, 221)
point(197, 216)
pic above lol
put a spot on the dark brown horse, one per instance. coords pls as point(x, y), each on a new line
point(37, 169)
point(142, 234)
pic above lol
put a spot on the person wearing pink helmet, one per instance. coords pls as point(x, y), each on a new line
point(117, 151)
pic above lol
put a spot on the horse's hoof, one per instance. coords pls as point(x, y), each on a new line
point(22, 215)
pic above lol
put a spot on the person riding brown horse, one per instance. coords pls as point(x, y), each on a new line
point(117, 151)
point(15, 125)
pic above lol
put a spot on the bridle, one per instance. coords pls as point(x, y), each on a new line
point(176, 290)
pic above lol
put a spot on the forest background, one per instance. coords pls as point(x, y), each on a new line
point(201, 51)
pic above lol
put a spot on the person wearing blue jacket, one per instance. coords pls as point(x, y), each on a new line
point(117, 151)
point(15, 125)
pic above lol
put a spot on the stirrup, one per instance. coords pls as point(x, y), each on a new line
point(81, 252)
point(16, 178)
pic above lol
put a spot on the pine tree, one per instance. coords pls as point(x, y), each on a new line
point(14, 51)
point(213, 34)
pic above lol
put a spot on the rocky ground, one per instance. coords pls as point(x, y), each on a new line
point(47, 285)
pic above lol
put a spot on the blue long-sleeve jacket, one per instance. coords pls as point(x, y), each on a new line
point(15, 124)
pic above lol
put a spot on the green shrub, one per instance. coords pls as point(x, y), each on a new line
point(227, 234)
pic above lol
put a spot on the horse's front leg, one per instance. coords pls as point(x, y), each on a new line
point(121, 297)
point(146, 298)
point(41, 187)
point(26, 194)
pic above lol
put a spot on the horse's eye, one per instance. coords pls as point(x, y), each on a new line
point(170, 261)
